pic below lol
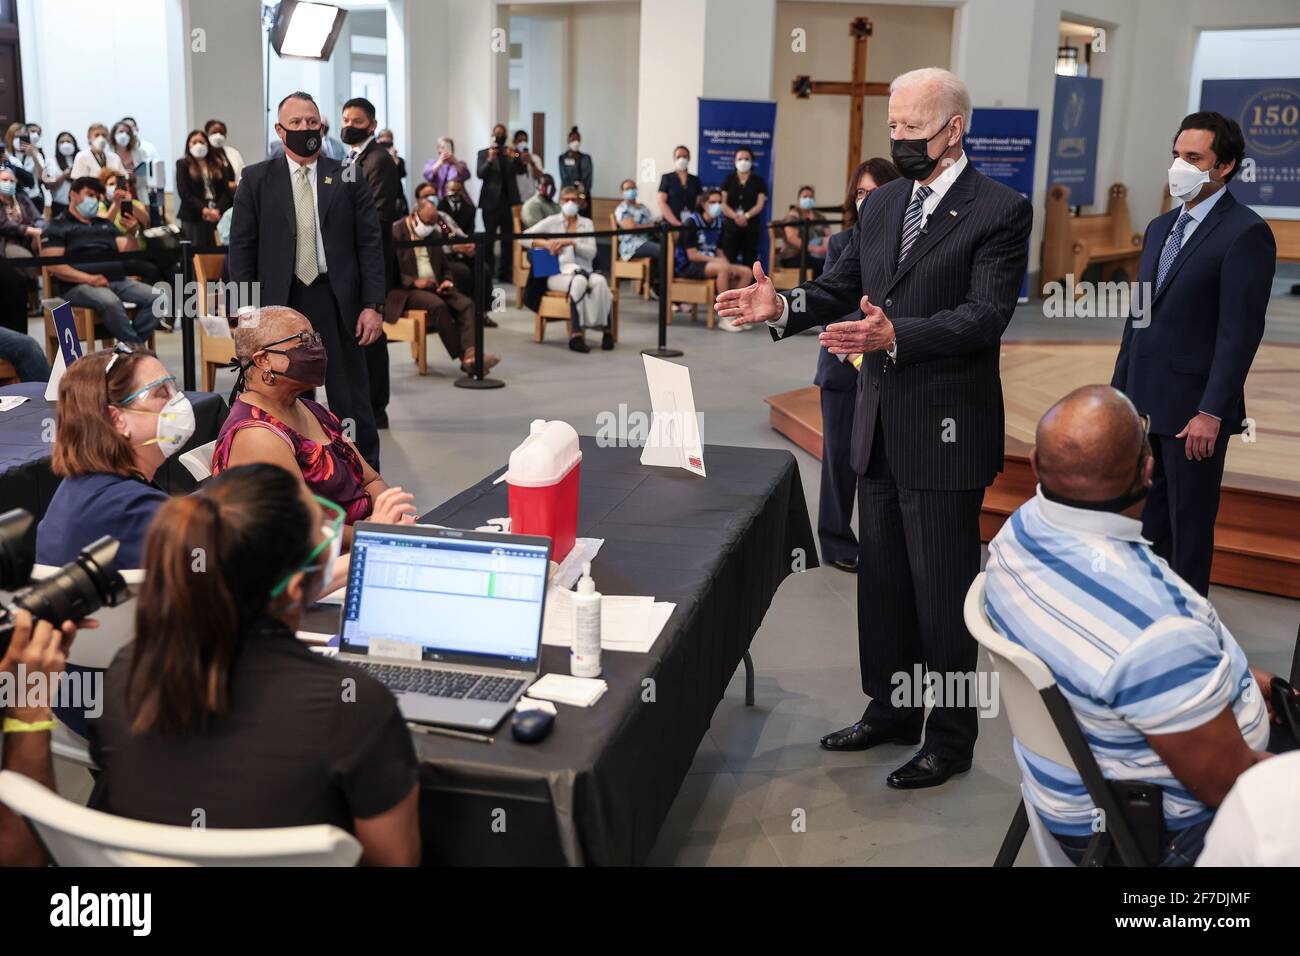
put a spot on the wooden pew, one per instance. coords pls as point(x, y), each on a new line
point(1072, 243)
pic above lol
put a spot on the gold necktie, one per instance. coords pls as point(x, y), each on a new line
point(306, 268)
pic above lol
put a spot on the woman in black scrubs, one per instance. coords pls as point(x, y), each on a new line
point(744, 196)
point(679, 190)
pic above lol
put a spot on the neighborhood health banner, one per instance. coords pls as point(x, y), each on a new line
point(1001, 144)
point(725, 126)
point(1269, 114)
point(1076, 120)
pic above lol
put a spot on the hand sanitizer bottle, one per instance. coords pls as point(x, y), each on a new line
point(584, 661)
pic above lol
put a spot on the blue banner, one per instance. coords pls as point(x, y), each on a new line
point(727, 125)
point(1076, 119)
point(1002, 144)
point(1269, 114)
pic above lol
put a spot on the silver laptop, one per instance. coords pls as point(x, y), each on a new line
point(450, 621)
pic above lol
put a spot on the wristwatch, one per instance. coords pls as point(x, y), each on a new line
point(378, 307)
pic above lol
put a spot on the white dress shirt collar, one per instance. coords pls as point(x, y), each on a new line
point(1202, 208)
point(1085, 521)
point(944, 180)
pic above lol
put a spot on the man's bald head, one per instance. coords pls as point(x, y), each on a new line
point(1088, 445)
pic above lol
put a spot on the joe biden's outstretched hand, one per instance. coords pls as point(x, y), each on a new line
point(752, 304)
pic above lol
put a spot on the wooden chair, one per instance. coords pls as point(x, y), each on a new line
point(781, 277)
point(1072, 243)
point(519, 261)
point(413, 327)
point(8, 374)
point(88, 328)
point(694, 292)
point(638, 270)
point(215, 352)
point(554, 307)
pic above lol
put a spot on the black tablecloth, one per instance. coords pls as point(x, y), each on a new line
point(598, 788)
point(26, 443)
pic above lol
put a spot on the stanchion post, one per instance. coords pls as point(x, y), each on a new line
point(803, 250)
point(478, 378)
point(183, 318)
point(663, 351)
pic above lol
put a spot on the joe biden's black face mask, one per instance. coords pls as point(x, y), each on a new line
point(912, 156)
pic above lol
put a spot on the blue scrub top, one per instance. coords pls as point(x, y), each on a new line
point(88, 507)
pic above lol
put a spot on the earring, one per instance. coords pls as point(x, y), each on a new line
point(268, 377)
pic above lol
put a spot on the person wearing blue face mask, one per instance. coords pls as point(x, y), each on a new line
point(792, 236)
point(696, 253)
point(100, 285)
point(20, 223)
point(631, 212)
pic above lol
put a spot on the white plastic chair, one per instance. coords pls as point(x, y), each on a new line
point(1041, 719)
point(78, 836)
point(198, 461)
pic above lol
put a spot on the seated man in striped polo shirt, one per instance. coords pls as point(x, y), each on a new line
point(1160, 688)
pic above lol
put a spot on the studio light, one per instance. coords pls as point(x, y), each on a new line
point(306, 31)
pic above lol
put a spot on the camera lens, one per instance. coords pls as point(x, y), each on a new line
point(17, 548)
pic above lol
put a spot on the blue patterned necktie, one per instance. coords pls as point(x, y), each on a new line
point(912, 221)
point(1172, 248)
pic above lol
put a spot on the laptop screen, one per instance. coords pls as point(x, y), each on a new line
point(420, 595)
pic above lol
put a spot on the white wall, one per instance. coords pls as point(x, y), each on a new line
point(670, 80)
point(1234, 54)
point(603, 91)
point(542, 77)
point(224, 79)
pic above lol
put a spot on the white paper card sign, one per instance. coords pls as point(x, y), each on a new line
point(69, 347)
point(674, 440)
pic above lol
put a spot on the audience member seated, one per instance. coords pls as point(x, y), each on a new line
point(20, 223)
point(445, 169)
point(631, 213)
point(58, 173)
point(679, 191)
point(97, 155)
point(217, 704)
point(792, 237)
point(697, 255)
point(1256, 823)
point(588, 291)
point(540, 204)
point(458, 206)
point(37, 651)
point(280, 358)
point(1159, 686)
point(230, 159)
point(203, 190)
point(460, 262)
point(426, 284)
point(24, 353)
point(103, 286)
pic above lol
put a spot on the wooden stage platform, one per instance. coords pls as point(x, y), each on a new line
point(1257, 537)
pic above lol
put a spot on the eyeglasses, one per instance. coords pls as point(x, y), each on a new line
point(307, 338)
point(332, 531)
point(164, 388)
point(120, 349)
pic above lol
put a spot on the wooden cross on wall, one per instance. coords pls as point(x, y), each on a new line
point(857, 89)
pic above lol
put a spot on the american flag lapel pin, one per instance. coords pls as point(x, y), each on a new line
point(951, 212)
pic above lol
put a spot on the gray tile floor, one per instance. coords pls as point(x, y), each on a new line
point(760, 791)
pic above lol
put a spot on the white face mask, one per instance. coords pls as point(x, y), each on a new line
point(569, 208)
point(1186, 180)
point(175, 425)
point(110, 191)
point(217, 140)
point(123, 138)
point(100, 143)
point(36, 138)
point(575, 145)
point(423, 229)
point(66, 148)
point(743, 165)
point(199, 151)
point(682, 163)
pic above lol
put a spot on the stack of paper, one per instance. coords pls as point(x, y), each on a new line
point(628, 622)
point(564, 689)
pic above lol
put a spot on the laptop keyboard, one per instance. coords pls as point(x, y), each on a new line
point(458, 685)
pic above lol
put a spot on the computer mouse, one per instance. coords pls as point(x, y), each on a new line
point(531, 726)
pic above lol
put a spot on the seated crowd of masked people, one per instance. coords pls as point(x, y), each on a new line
point(264, 739)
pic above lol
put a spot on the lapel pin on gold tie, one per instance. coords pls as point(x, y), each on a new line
point(951, 212)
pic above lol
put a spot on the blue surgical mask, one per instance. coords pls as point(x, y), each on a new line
point(807, 202)
point(89, 206)
point(715, 210)
point(630, 194)
point(8, 187)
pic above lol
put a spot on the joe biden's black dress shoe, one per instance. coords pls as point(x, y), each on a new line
point(862, 736)
point(925, 770)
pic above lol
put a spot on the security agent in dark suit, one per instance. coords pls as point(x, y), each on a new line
point(1183, 362)
point(372, 159)
point(837, 379)
point(497, 166)
point(935, 266)
point(310, 237)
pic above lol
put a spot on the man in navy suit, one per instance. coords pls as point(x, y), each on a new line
point(1184, 357)
point(309, 235)
point(934, 268)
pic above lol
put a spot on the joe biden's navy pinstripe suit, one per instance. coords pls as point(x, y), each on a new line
point(928, 428)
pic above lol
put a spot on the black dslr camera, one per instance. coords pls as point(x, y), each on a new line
point(76, 591)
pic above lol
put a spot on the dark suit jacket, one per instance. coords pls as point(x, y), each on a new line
point(263, 232)
point(386, 187)
point(407, 271)
point(499, 186)
point(1206, 321)
point(949, 302)
point(832, 374)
